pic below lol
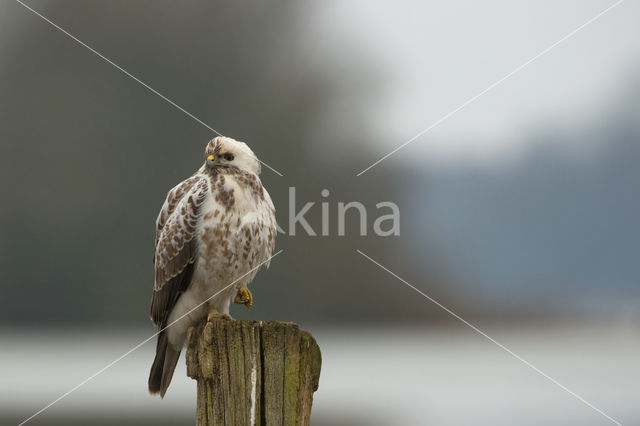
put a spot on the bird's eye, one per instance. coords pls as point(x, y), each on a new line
point(228, 157)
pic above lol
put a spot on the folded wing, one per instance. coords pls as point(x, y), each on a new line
point(176, 247)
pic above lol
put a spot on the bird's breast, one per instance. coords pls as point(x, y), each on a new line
point(233, 241)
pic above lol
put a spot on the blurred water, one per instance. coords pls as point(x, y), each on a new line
point(388, 376)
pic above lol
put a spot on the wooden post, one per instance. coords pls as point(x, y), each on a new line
point(253, 372)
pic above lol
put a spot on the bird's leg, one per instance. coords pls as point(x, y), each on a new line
point(244, 296)
point(214, 315)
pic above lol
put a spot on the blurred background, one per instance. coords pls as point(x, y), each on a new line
point(519, 212)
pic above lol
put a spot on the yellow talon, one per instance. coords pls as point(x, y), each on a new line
point(244, 297)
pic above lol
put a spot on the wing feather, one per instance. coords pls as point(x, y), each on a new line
point(176, 247)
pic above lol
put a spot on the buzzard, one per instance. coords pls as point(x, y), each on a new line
point(214, 228)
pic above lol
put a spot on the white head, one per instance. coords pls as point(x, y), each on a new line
point(225, 152)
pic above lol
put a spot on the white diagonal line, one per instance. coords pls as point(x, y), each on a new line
point(76, 39)
point(115, 361)
point(500, 345)
point(145, 85)
point(492, 86)
point(270, 168)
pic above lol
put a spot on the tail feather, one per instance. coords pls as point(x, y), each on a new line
point(163, 366)
point(170, 362)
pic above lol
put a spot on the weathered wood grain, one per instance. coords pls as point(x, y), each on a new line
point(253, 372)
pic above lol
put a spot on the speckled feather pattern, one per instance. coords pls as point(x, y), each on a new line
point(213, 228)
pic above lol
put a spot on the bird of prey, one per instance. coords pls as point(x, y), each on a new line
point(214, 228)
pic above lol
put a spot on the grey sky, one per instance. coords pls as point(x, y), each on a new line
point(435, 55)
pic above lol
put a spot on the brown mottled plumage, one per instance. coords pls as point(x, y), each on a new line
point(213, 228)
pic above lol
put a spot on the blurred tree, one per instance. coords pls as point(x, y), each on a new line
point(89, 153)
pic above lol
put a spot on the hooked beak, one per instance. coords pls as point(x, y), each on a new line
point(211, 161)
